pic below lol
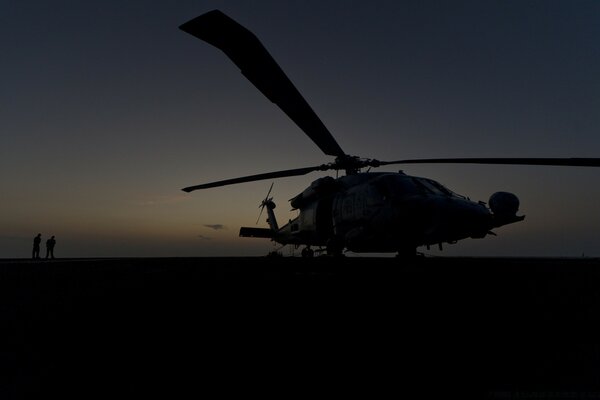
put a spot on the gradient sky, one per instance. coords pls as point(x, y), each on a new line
point(107, 110)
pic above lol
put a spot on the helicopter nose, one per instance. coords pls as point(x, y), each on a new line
point(504, 205)
point(465, 218)
point(452, 219)
point(478, 219)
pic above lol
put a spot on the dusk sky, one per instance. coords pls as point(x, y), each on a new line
point(108, 109)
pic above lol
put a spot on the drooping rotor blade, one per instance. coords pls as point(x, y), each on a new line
point(565, 162)
point(258, 177)
point(255, 62)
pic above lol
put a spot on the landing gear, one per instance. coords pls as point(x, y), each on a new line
point(335, 247)
point(307, 252)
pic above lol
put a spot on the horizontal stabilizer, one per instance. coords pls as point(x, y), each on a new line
point(256, 232)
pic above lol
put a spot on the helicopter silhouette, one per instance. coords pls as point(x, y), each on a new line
point(362, 212)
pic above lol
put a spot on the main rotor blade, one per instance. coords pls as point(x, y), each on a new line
point(258, 177)
point(255, 62)
point(565, 162)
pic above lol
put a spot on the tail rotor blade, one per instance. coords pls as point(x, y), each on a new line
point(264, 203)
point(262, 207)
point(269, 192)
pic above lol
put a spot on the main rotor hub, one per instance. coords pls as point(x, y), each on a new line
point(353, 164)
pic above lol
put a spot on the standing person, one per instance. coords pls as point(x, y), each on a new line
point(36, 246)
point(50, 247)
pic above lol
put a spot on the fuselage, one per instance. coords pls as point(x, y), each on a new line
point(384, 212)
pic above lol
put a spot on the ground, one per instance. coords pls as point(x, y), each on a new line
point(491, 328)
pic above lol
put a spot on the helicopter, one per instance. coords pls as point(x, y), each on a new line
point(360, 211)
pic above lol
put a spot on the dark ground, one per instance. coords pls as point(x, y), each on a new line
point(277, 327)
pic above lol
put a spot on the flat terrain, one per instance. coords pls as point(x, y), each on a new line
point(486, 327)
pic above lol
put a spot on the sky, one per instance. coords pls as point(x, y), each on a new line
point(108, 109)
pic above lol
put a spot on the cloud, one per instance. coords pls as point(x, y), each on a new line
point(216, 227)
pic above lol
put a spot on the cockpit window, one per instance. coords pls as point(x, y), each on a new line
point(435, 187)
point(396, 186)
point(400, 186)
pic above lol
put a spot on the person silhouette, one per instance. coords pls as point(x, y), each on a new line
point(36, 246)
point(50, 243)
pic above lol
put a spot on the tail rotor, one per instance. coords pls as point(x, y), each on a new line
point(264, 203)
